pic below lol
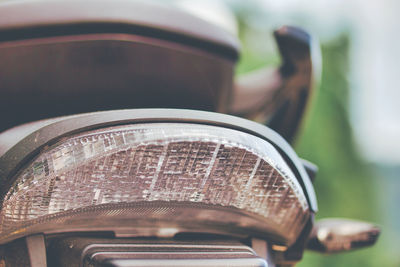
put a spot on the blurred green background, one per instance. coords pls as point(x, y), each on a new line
point(346, 185)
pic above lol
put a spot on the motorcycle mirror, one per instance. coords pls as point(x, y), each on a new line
point(338, 235)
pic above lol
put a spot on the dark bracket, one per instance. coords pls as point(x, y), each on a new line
point(299, 68)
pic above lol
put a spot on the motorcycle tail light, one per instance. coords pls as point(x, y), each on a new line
point(156, 179)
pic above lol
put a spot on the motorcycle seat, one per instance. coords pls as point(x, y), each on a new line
point(66, 57)
point(27, 19)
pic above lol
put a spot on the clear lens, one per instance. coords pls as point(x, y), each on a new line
point(101, 170)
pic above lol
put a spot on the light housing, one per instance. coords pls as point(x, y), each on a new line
point(158, 179)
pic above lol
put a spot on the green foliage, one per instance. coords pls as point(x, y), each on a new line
point(345, 184)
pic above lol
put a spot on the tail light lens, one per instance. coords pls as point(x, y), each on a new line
point(156, 177)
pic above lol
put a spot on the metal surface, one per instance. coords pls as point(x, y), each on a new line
point(333, 235)
point(36, 250)
point(81, 251)
point(251, 262)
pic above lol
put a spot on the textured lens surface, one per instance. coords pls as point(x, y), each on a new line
point(156, 162)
